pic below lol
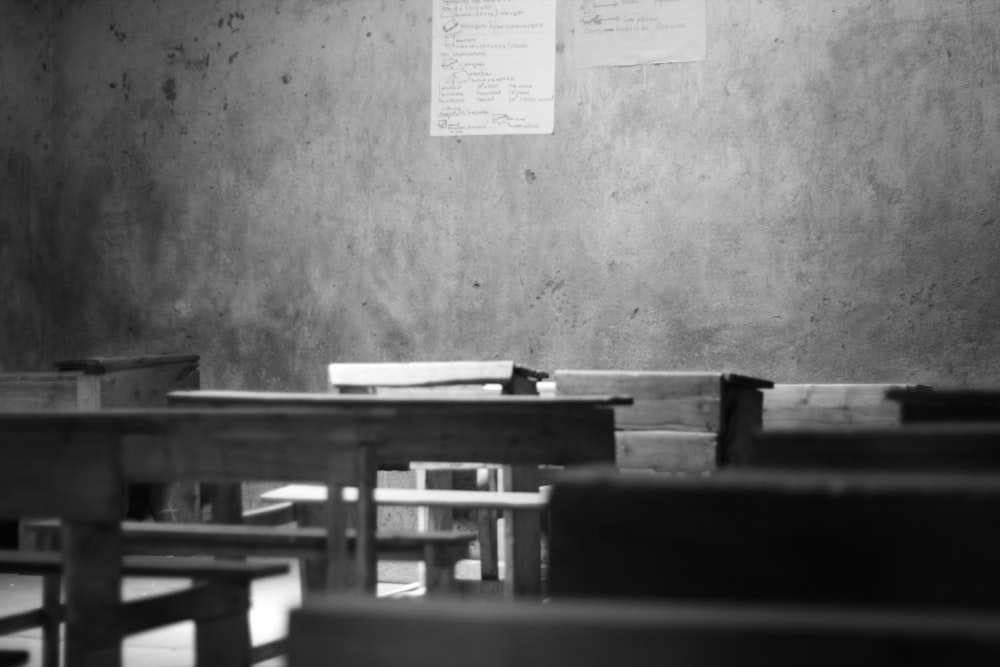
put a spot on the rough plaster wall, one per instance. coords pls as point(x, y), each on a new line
point(25, 80)
point(253, 180)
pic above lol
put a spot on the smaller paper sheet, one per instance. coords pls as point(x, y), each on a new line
point(618, 33)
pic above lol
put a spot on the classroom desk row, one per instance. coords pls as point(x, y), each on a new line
point(71, 465)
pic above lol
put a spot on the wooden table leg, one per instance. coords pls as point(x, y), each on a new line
point(92, 572)
point(523, 538)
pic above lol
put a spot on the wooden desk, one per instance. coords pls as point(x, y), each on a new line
point(94, 451)
point(498, 429)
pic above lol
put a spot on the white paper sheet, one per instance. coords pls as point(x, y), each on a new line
point(617, 33)
point(493, 67)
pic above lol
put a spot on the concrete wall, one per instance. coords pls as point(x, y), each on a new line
point(25, 152)
point(253, 180)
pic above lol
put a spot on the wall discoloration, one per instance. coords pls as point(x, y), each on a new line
point(816, 201)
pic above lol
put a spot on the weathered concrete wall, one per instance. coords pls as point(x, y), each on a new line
point(253, 180)
point(25, 100)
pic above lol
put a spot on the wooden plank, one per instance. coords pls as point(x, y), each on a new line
point(147, 386)
point(101, 365)
point(423, 374)
point(927, 541)
point(742, 408)
point(829, 405)
point(219, 398)
point(596, 634)
point(295, 447)
point(44, 562)
point(270, 541)
point(922, 405)
point(938, 447)
point(29, 392)
point(663, 400)
point(523, 538)
point(314, 493)
point(88, 486)
point(666, 451)
point(531, 432)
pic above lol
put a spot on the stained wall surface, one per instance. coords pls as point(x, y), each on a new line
point(254, 180)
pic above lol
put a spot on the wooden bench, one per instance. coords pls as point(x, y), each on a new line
point(927, 542)
point(453, 378)
point(600, 633)
point(679, 422)
point(114, 382)
point(163, 445)
point(70, 465)
point(821, 406)
point(508, 430)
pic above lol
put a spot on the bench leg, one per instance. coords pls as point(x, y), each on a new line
point(523, 539)
point(312, 572)
point(51, 604)
point(92, 571)
point(434, 518)
point(489, 551)
point(439, 571)
point(224, 641)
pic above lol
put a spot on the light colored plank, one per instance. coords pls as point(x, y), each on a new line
point(29, 392)
point(666, 401)
point(314, 493)
point(424, 374)
point(790, 406)
point(666, 451)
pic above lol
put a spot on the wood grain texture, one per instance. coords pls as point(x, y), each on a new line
point(662, 400)
point(596, 634)
point(790, 406)
point(928, 541)
point(28, 392)
point(666, 451)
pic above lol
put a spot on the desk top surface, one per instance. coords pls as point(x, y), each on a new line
point(441, 398)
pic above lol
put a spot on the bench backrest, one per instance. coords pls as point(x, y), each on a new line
point(903, 540)
point(597, 634)
point(472, 376)
point(972, 448)
point(946, 405)
point(816, 406)
point(99, 382)
point(679, 421)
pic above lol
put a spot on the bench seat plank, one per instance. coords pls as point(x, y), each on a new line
point(596, 634)
point(270, 541)
point(916, 540)
point(315, 493)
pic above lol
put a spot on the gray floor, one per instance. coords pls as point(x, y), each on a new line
point(171, 646)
